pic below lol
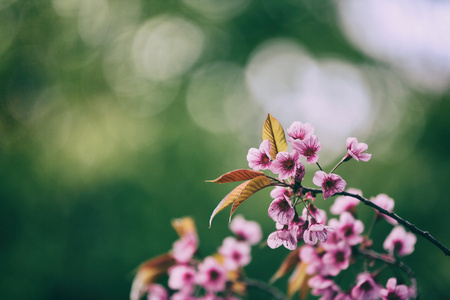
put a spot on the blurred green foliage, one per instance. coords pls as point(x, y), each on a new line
point(91, 175)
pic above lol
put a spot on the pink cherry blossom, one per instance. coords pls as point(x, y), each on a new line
point(248, 231)
point(157, 292)
point(181, 295)
point(400, 241)
point(282, 237)
point(330, 183)
point(394, 291)
point(333, 239)
point(279, 191)
point(308, 148)
point(297, 226)
point(349, 228)
point(181, 277)
point(319, 215)
point(184, 248)
point(386, 202)
point(345, 203)
point(300, 173)
point(366, 288)
point(342, 296)
point(324, 287)
point(299, 131)
point(236, 254)
point(355, 150)
point(337, 258)
point(412, 292)
point(260, 159)
point(281, 210)
point(211, 275)
point(315, 233)
point(309, 255)
point(286, 164)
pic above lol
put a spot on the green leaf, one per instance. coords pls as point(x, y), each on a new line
point(273, 131)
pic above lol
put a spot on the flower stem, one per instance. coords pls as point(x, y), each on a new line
point(338, 164)
point(319, 166)
point(372, 225)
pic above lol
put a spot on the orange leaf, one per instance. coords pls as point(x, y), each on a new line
point(240, 194)
point(229, 199)
point(273, 131)
point(184, 226)
point(252, 187)
point(288, 264)
point(299, 282)
point(148, 272)
point(237, 175)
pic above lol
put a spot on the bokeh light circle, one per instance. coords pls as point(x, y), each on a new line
point(165, 47)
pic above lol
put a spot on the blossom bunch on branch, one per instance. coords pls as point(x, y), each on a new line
point(327, 247)
point(322, 248)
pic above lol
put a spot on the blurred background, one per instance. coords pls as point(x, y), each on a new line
point(113, 113)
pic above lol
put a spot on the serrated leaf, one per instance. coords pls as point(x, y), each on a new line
point(252, 187)
point(184, 226)
point(237, 175)
point(287, 265)
point(299, 282)
point(273, 131)
point(228, 200)
point(148, 272)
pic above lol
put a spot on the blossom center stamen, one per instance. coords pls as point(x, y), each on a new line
point(366, 286)
point(340, 257)
point(214, 275)
point(288, 164)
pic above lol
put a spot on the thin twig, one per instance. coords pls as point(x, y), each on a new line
point(392, 261)
point(277, 182)
point(402, 221)
point(261, 285)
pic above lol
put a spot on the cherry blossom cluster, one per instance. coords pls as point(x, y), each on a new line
point(292, 228)
point(341, 247)
point(321, 247)
point(214, 277)
point(329, 246)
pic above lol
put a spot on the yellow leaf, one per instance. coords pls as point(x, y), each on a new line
point(237, 175)
point(184, 226)
point(252, 187)
point(240, 194)
point(228, 200)
point(288, 264)
point(148, 272)
point(273, 131)
point(299, 282)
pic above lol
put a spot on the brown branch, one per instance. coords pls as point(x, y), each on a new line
point(399, 219)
